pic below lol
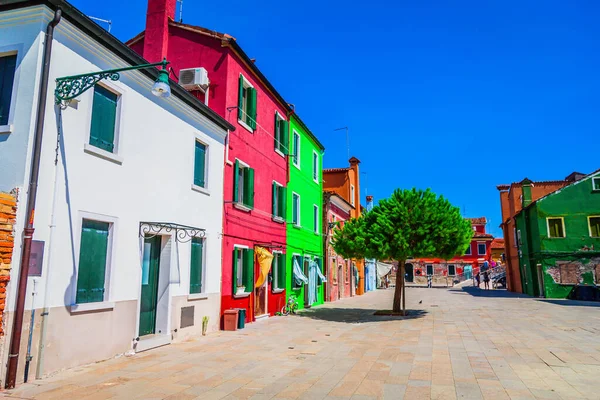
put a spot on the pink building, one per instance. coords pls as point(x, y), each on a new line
point(254, 168)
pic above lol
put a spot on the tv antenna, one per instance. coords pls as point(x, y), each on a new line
point(106, 21)
point(180, 10)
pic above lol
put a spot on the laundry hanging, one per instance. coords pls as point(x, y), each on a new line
point(312, 282)
point(265, 260)
point(299, 277)
point(322, 278)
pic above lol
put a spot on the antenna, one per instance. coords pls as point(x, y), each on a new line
point(106, 21)
point(366, 183)
point(180, 10)
point(347, 138)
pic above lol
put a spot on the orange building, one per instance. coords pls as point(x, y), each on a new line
point(510, 202)
point(345, 182)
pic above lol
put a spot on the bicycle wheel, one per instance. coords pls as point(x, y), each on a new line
point(285, 311)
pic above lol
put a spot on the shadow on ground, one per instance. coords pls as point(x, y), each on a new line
point(478, 292)
point(567, 302)
point(355, 315)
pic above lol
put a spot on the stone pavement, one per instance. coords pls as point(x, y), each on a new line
point(463, 343)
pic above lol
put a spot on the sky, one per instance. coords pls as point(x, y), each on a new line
point(456, 96)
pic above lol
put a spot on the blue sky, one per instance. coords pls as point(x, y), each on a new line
point(458, 96)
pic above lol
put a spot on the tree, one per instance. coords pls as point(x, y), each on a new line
point(411, 223)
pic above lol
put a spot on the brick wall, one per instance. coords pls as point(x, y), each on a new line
point(8, 210)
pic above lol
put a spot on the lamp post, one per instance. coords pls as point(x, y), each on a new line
point(69, 87)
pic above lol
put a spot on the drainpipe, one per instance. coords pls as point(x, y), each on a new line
point(15, 340)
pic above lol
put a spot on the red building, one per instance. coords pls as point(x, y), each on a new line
point(219, 72)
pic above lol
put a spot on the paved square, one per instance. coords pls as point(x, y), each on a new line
point(464, 344)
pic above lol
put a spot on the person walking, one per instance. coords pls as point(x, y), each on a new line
point(477, 279)
point(429, 281)
point(486, 280)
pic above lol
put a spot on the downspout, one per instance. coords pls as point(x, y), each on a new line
point(15, 340)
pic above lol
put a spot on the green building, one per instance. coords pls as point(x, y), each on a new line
point(304, 256)
point(558, 238)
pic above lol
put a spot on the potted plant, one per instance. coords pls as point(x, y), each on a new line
point(204, 325)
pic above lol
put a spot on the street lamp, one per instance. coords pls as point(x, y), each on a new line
point(69, 87)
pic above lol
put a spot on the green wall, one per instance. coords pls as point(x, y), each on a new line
point(574, 203)
point(303, 240)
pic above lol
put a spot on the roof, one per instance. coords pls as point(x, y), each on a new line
point(479, 235)
point(97, 33)
point(497, 244)
point(303, 125)
point(332, 170)
point(340, 198)
point(478, 221)
point(570, 178)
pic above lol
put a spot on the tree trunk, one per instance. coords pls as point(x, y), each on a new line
point(399, 302)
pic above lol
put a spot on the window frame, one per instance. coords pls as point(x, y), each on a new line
point(427, 266)
point(298, 223)
point(279, 144)
point(469, 251)
point(278, 217)
point(241, 248)
point(352, 195)
point(479, 253)
point(205, 188)
point(454, 267)
point(296, 149)
point(202, 267)
point(241, 204)
point(316, 219)
point(8, 51)
point(295, 286)
point(116, 155)
point(315, 167)
point(595, 183)
point(589, 219)
point(246, 84)
point(564, 230)
point(278, 255)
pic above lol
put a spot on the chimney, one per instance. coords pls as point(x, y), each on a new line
point(156, 38)
point(369, 203)
point(526, 196)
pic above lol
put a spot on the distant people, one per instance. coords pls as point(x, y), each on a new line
point(486, 280)
point(429, 281)
point(477, 279)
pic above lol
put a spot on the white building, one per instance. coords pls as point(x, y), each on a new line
point(132, 210)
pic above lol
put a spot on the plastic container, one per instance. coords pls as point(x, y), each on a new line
point(230, 320)
point(241, 318)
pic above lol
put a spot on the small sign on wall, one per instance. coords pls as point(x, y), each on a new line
point(37, 258)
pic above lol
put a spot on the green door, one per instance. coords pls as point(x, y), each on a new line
point(150, 267)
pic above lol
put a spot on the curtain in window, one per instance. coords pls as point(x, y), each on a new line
point(322, 278)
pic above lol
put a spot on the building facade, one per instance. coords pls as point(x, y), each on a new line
point(558, 238)
point(345, 182)
point(340, 274)
point(370, 263)
point(127, 247)
point(304, 258)
point(256, 164)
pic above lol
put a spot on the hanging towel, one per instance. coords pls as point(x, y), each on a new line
point(265, 260)
point(322, 278)
point(299, 276)
point(312, 282)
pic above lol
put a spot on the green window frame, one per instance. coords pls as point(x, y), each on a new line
point(200, 164)
point(316, 218)
point(196, 265)
point(246, 103)
point(104, 119)
point(315, 167)
point(278, 272)
point(278, 201)
point(556, 227)
point(300, 261)
point(8, 65)
point(243, 269)
point(594, 225)
point(93, 257)
point(243, 185)
point(281, 134)
point(296, 209)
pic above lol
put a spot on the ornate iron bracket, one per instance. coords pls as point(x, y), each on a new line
point(183, 233)
point(69, 87)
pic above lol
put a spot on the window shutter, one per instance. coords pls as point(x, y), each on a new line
point(281, 271)
point(241, 98)
point(285, 137)
point(252, 107)
point(199, 164)
point(274, 210)
point(104, 115)
point(281, 200)
point(234, 271)
point(196, 266)
point(249, 187)
point(277, 133)
point(236, 169)
point(249, 269)
point(7, 77)
point(92, 262)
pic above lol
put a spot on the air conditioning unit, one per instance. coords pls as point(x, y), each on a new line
point(194, 78)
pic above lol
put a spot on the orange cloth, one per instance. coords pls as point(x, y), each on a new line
point(265, 260)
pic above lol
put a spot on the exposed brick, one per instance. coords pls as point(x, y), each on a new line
point(8, 213)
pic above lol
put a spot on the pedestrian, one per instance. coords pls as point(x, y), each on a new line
point(477, 279)
point(486, 280)
point(429, 281)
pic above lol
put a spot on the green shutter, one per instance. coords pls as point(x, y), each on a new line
point(274, 200)
point(285, 137)
point(249, 187)
point(281, 271)
point(241, 98)
point(196, 266)
point(92, 262)
point(277, 133)
point(236, 169)
point(234, 271)
point(252, 107)
point(199, 164)
point(7, 78)
point(104, 116)
point(281, 200)
point(248, 277)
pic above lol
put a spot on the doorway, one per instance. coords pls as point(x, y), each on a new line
point(260, 300)
point(149, 295)
point(540, 276)
point(410, 273)
point(306, 268)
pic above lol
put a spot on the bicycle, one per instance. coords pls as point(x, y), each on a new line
point(290, 307)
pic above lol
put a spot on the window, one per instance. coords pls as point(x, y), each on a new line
point(246, 104)
point(279, 196)
point(595, 183)
point(429, 269)
point(296, 209)
point(104, 119)
point(556, 227)
point(296, 149)
point(519, 242)
point(515, 237)
point(7, 78)
point(200, 165)
point(569, 272)
point(196, 263)
point(352, 195)
point(451, 270)
point(243, 270)
point(315, 167)
point(243, 185)
point(278, 272)
point(297, 266)
point(594, 224)
point(316, 218)
point(281, 134)
point(93, 254)
point(481, 250)
point(468, 252)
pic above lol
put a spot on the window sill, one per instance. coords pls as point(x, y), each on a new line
point(316, 181)
point(280, 153)
point(279, 220)
point(297, 226)
point(88, 148)
point(241, 295)
point(242, 207)
point(297, 165)
point(245, 126)
point(89, 307)
point(197, 296)
point(200, 189)
point(277, 291)
point(6, 128)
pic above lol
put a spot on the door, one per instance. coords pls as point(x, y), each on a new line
point(260, 300)
point(341, 285)
point(468, 271)
point(307, 285)
point(410, 274)
point(540, 276)
point(149, 295)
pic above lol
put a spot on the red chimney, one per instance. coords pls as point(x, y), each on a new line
point(156, 38)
